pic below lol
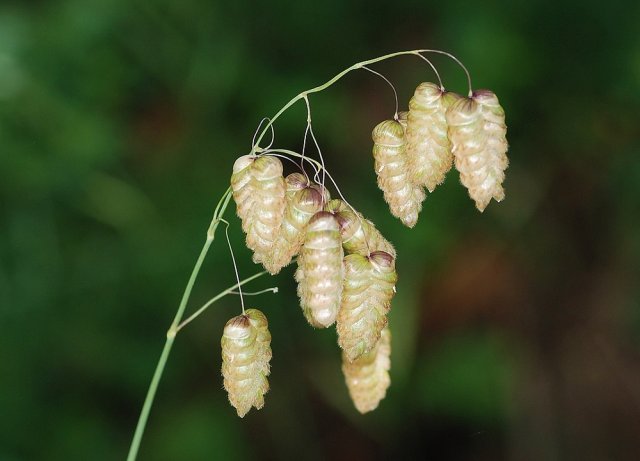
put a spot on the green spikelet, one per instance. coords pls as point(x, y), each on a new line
point(259, 192)
point(404, 197)
point(477, 131)
point(359, 235)
point(369, 286)
point(319, 273)
point(367, 378)
point(428, 148)
point(246, 353)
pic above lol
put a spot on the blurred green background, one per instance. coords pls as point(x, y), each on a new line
point(516, 331)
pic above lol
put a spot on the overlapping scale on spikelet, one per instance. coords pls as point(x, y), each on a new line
point(246, 353)
point(389, 152)
point(359, 235)
point(303, 200)
point(402, 119)
point(428, 148)
point(319, 274)
point(477, 131)
point(259, 192)
point(369, 286)
point(367, 378)
point(263, 338)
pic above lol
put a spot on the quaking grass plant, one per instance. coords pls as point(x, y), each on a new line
point(345, 267)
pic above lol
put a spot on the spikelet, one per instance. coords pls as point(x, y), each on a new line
point(246, 353)
point(319, 273)
point(303, 200)
point(404, 198)
point(368, 377)
point(478, 132)
point(359, 235)
point(369, 286)
point(429, 154)
point(259, 192)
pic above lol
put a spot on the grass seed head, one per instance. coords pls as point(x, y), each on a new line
point(369, 286)
point(368, 378)
point(403, 196)
point(246, 352)
point(303, 200)
point(319, 274)
point(428, 148)
point(259, 192)
point(359, 235)
point(478, 131)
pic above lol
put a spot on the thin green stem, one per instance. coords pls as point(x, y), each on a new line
point(153, 386)
point(323, 87)
point(255, 148)
point(226, 292)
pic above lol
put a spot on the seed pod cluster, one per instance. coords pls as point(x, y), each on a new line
point(246, 353)
point(345, 267)
point(442, 128)
point(274, 211)
point(477, 130)
point(389, 152)
point(367, 377)
point(429, 156)
point(369, 284)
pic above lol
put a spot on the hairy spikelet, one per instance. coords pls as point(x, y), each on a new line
point(259, 192)
point(404, 197)
point(303, 200)
point(428, 148)
point(369, 286)
point(478, 131)
point(367, 378)
point(319, 273)
point(246, 353)
point(359, 235)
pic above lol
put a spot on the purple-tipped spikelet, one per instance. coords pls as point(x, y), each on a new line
point(319, 274)
point(259, 192)
point(428, 148)
point(246, 353)
point(303, 200)
point(404, 197)
point(359, 235)
point(369, 286)
point(478, 131)
point(367, 378)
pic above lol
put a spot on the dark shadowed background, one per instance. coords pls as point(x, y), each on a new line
point(516, 331)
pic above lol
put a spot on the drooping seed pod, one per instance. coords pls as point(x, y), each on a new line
point(359, 235)
point(404, 197)
point(246, 353)
point(319, 273)
point(259, 192)
point(428, 148)
point(367, 378)
point(303, 200)
point(369, 286)
point(477, 131)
